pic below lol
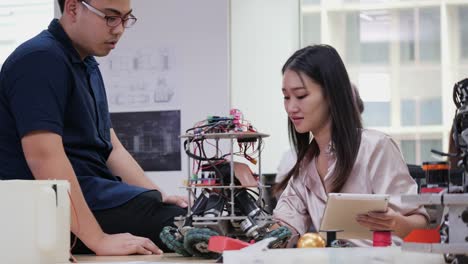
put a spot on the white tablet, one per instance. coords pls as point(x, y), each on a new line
point(342, 209)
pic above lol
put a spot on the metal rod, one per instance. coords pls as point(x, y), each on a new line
point(261, 183)
point(189, 207)
point(217, 147)
point(201, 218)
point(232, 176)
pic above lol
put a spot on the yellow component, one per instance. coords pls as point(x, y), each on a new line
point(252, 160)
point(311, 240)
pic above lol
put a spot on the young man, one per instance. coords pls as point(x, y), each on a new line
point(56, 125)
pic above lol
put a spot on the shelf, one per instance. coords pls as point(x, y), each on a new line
point(202, 218)
point(240, 135)
point(225, 186)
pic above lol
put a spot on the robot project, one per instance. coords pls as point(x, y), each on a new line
point(228, 199)
point(445, 201)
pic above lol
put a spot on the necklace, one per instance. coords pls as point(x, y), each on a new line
point(330, 150)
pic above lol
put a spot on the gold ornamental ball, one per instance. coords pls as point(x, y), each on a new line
point(311, 240)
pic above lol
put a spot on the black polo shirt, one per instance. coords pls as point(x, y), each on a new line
point(44, 85)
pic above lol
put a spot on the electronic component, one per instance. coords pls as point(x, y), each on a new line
point(229, 200)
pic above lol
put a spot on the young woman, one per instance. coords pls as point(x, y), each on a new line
point(335, 154)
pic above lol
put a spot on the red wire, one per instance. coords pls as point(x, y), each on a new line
point(72, 258)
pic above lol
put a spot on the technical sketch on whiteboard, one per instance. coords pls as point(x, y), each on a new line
point(151, 137)
point(140, 78)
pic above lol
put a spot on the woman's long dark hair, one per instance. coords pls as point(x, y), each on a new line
point(324, 66)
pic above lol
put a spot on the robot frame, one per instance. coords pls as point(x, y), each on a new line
point(446, 203)
point(227, 198)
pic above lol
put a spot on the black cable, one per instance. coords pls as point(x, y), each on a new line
point(194, 156)
point(258, 199)
point(440, 153)
point(220, 199)
point(193, 128)
point(199, 165)
point(220, 174)
point(212, 165)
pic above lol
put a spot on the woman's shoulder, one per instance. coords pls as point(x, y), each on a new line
point(374, 137)
point(374, 142)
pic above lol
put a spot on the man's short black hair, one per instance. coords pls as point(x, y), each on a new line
point(61, 5)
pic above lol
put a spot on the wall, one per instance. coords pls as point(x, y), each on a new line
point(195, 34)
point(264, 33)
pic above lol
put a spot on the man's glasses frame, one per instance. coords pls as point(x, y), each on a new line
point(112, 21)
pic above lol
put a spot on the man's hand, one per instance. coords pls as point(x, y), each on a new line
point(124, 244)
point(176, 199)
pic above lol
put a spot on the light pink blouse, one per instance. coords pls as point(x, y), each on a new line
point(379, 169)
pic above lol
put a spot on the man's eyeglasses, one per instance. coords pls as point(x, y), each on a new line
point(112, 21)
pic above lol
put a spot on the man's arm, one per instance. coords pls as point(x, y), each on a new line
point(46, 159)
point(122, 164)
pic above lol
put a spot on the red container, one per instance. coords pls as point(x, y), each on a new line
point(382, 238)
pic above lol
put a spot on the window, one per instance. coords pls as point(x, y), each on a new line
point(419, 35)
point(311, 28)
point(429, 33)
point(408, 149)
point(463, 24)
point(367, 38)
point(418, 151)
point(420, 95)
point(462, 47)
point(374, 88)
point(393, 52)
point(407, 36)
point(426, 146)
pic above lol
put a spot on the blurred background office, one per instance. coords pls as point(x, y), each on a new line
point(403, 55)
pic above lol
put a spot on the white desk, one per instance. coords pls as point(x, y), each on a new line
point(141, 259)
point(333, 256)
point(392, 255)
